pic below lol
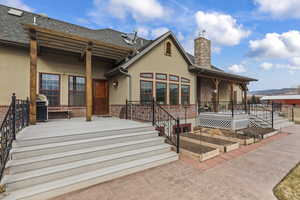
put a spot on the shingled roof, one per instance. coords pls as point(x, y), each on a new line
point(12, 29)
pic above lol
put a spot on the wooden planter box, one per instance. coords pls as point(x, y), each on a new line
point(270, 134)
point(200, 157)
point(232, 139)
point(222, 148)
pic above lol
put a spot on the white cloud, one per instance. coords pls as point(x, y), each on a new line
point(283, 49)
point(143, 31)
point(274, 45)
point(237, 68)
point(280, 8)
point(266, 66)
point(17, 4)
point(159, 31)
point(221, 28)
point(180, 36)
point(139, 10)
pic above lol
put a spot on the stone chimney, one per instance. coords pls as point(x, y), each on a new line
point(202, 52)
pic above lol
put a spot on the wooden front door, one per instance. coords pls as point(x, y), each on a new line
point(100, 97)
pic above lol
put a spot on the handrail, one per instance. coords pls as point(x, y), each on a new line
point(151, 111)
point(16, 118)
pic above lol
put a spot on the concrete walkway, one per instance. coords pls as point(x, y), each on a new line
point(250, 176)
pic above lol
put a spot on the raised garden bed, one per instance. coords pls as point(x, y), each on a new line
point(221, 144)
point(261, 133)
point(197, 151)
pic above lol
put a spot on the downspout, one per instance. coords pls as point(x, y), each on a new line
point(129, 82)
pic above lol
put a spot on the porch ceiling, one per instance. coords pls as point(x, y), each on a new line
point(77, 44)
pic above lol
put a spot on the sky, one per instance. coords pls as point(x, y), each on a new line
point(255, 38)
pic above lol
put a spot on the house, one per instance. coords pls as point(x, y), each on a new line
point(93, 72)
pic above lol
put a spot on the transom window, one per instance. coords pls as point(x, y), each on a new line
point(146, 75)
point(174, 78)
point(185, 80)
point(161, 76)
point(185, 94)
point(146, 91)
point(50, 87)
point(76, 91)
point(168, 49)
point(174, 94)
point(161, 92)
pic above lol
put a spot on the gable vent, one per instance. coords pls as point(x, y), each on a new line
point(15, 12)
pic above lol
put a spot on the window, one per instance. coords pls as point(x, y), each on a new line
point(146, 75)
point(161, 92)
point(146, 91)
point(185, 94)
point(174, 94)
point(161, 76)
point(76, 91)
point(174, 78)
point(185, 80)
point(50, 86)
point(168, 49)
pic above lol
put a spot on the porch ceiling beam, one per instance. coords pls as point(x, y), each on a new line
point(76, 37)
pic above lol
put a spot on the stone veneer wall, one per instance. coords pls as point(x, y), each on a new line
point(175, 110)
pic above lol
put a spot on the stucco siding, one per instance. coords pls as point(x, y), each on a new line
point(14, 71)
point(157, 62)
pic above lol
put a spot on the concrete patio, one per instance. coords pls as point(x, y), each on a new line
point(248, 176)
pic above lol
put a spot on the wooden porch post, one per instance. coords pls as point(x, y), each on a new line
point(217, 82)
point(245, 88)
point(33, 77)
point(231, 92)
point(88, 73)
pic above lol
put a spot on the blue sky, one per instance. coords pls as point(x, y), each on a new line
point(256, 38)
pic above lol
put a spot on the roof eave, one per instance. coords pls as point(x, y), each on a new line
point(227, 75)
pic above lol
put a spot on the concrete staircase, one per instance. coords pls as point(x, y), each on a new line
point(279, 122)
point(43, 168)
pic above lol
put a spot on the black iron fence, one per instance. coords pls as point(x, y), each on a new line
point(151, 111)
point(16, 118)
point(224, 107)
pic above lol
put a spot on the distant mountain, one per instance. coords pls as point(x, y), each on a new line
point(283, 91)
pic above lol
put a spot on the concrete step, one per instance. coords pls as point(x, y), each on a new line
point(38, 162)
point(52, 148)
point(44, 175)
point(80, 135)
point(65, 185)
point(283, 125)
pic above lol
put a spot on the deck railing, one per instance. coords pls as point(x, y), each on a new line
point(16, 118)
point(225, 107)
point(152, 112)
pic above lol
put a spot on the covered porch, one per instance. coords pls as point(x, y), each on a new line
point(88, 51)
point(221, 99)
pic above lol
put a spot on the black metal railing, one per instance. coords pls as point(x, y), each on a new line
point(225, 107)
point(16, 118)
point(264, 112)
point(151, 111)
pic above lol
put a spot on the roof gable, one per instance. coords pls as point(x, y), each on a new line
point(150, 47)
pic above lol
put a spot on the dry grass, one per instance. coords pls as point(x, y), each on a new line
point(289, 187)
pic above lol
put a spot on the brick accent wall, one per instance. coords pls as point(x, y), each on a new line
point(3, 110)
point(117, 110)
point(177, 111)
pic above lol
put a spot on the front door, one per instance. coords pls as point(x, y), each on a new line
point(100, 97)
